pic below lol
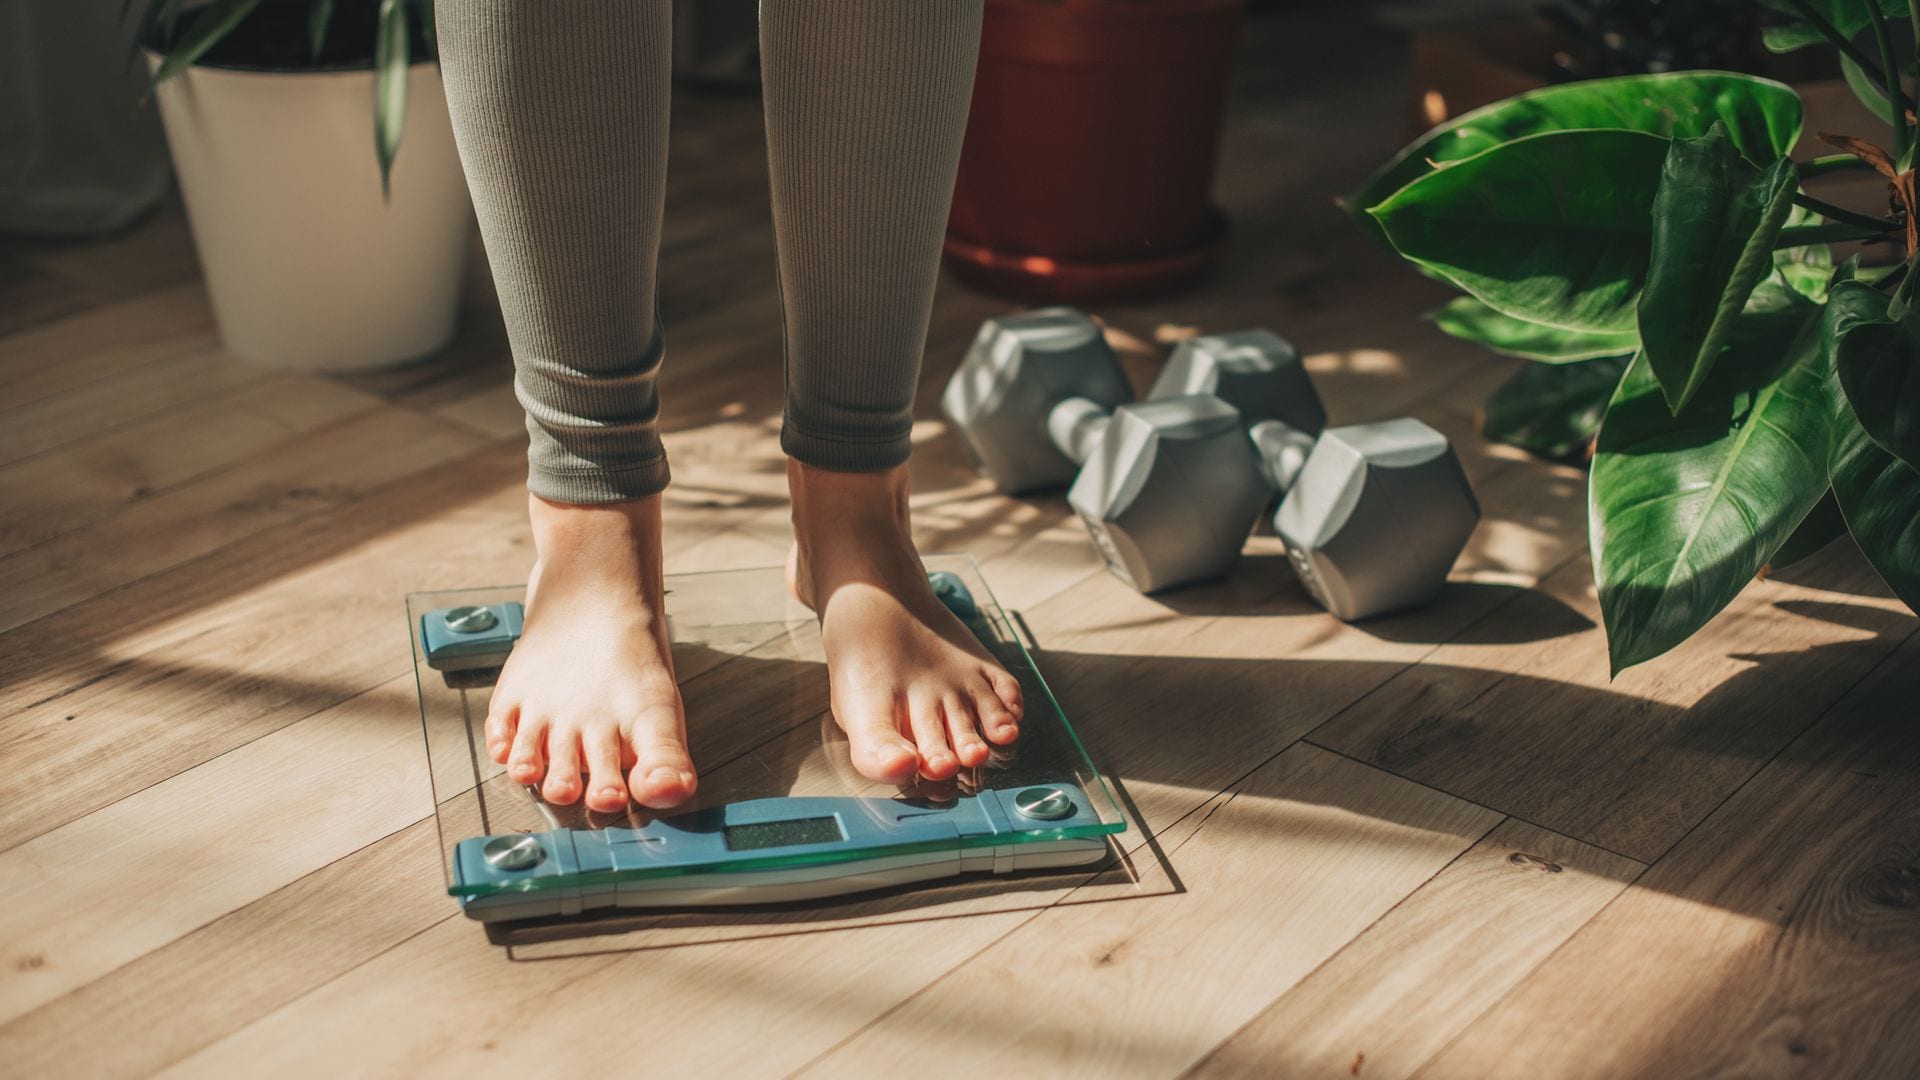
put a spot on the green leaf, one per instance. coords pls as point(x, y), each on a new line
point(1763, 116)
point(209, 25)
point(1684, 510)
point(1822, 526)
point(1848, 16)
point(1879, 495)
point(319, 17)
point(1877, 360)
point(1470, 320)
point(1552, 409)
point(1870, 93)
point(1808, 269)
point(1551, 228)
point(1715, 220)
point(390, 65)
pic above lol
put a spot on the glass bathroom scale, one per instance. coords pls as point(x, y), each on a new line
point(780, 814)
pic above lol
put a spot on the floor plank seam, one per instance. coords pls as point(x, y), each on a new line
point(257, 537)
point(235, 748)
point(1788, 744)
point(1648, 867)
point(1514, 987)
point(1308, 739)
point(1346, 945)
point(203, 927)
point(310, 991)
point(215, 398)
point(1147, 836)
point(212, 473)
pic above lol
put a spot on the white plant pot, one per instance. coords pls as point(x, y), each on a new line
point(307, 265)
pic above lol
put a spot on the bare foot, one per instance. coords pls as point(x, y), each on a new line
point(590, 683)
point(912, 687)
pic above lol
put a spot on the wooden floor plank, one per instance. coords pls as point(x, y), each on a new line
point(1285, 869)
point(61, 491)
point(103, 342)
point(236, 969)
point(1778, 939)
point(1394, 996)
point(303, 477)
point(1536, 729)
point(158, 386)
point(80, 899)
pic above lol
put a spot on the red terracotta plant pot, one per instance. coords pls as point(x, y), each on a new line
point(1090, 149)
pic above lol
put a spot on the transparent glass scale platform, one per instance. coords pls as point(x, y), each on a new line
point(780, 813)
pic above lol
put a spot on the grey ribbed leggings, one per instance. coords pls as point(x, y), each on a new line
point(560, 110)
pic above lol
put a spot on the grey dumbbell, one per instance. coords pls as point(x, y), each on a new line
point(1019, 370)
point(1373, 515)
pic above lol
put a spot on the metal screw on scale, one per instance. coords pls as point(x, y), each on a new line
point(513, 852)
point(471, 620)
point(1043, 803)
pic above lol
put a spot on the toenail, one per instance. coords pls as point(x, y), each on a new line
point(609, 791)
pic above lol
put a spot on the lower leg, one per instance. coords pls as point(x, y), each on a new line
point(866, 102)
point(560, 111)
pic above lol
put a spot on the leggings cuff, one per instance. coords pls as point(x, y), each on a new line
point(621, 484)
point(840, 455)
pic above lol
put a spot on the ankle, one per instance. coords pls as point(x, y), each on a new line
point(840, 501)
point(623, 536)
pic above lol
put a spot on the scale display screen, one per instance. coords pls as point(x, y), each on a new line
point(777, 834)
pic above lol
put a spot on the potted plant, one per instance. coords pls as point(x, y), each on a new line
point(1768, 400)
point(324, 247)
point(1089, 153)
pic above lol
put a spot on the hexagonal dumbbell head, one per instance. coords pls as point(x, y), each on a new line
point(1171, 491)
point(1018, 368)
point(1256, 371)
point(1376, 516)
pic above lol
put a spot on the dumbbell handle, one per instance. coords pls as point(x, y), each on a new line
point(1283, 451)
point(1076, 426)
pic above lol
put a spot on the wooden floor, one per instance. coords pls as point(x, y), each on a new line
point(1441, 844)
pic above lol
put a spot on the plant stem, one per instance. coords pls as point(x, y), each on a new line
point(1895, 93)
point(1854, 52)
point(1913, 16)
point(1832, 163)
point(1803, 235)
point(1841, 213)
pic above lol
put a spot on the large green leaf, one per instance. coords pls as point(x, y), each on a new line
point(1763, 116)
point(391, 61)
point(1684, 510)
point(1715, 220)
point(1553, 228)
point(1470, 320)
point(1878, 361)
point(1552, 409)
point(1880, 497)
point(1848, 16)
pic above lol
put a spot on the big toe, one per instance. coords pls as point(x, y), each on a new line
point(662, 775)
